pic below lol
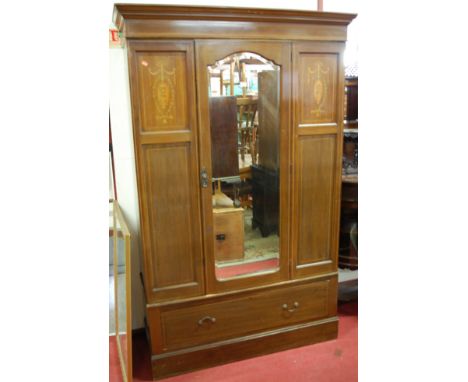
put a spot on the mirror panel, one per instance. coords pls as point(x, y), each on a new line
point(244, 95)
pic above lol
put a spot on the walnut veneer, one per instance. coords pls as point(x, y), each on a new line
point(195, 320)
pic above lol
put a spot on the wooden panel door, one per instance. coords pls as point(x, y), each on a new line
point(318, 87)
point(165, 136)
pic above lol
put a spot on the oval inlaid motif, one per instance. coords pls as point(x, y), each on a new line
point(163, 96)
point(318, 91)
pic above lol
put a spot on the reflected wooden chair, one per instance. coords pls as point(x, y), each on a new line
point(246, 113)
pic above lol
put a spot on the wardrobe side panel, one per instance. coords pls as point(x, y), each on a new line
point(318, 89)
point(165, 131)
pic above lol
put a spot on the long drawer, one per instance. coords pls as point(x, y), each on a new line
point(206, 322)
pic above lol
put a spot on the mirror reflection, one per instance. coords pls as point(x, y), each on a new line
point(244, 96)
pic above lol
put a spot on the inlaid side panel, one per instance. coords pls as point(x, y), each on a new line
point(165, 131)
point(316, 174)
point(318, 84)
point(162, 84)
point(170, 210)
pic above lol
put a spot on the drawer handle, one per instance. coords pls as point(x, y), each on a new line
point(206, 319)
point(290, 310)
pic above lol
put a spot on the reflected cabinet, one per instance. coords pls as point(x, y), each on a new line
point(238, 130)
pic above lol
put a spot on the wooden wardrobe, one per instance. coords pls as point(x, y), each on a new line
point(197, 315)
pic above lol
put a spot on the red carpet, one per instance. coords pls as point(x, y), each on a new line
point(242, 269)
point(331, 361)
point(115, 374)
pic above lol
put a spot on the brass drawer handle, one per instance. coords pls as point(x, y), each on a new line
point(290, 310)
point(206, 319)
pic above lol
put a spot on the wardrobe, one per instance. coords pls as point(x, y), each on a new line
point(218, 288)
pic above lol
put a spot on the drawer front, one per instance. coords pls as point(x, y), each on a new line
point(211, 322)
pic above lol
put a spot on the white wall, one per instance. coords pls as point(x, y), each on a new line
point(125, 173)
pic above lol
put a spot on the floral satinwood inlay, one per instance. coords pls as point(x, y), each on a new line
point(162, 83)
point(318, 81)
point(317, 78)
point(164, 93)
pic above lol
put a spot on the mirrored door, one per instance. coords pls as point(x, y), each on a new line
point(244, 197)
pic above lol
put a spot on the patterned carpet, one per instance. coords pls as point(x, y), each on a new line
point(255, 246)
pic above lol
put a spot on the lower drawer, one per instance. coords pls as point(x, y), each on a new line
point(235, 316)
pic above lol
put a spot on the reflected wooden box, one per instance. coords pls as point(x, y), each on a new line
point(228, 233)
